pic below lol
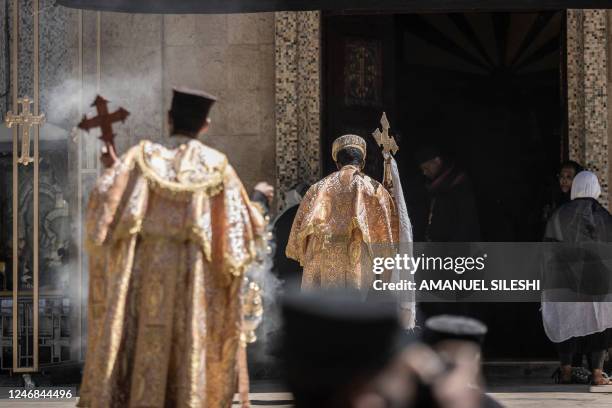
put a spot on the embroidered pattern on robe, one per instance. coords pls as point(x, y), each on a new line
point(170, 233)
point(343, 221)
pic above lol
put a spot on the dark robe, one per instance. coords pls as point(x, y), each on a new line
point(580, 220)
point(286, 269)
point(453, 215)
point(551, 201)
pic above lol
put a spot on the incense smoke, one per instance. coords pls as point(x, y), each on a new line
point(72, 99)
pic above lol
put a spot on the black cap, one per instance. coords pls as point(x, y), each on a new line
point(189, 110)
point(426, 153)
point(331, 338)
point(450, 327)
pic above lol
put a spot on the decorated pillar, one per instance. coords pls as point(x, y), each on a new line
point(298, 96)
point(587, 83)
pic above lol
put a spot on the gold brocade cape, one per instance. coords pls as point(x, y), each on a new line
point(169, 234)
point(343, 221)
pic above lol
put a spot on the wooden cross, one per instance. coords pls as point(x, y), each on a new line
point(383, 139)
point(104, 121)
point(25, 119)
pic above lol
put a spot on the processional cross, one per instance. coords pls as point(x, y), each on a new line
point(383, 139)
point(26, 119)
point(387, 142)
point(104, 121)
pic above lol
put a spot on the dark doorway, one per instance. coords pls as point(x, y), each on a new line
point(488, 90)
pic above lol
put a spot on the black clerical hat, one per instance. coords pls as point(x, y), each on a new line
point(426, 153)
point(190, 109)
point(449, 327)
point(330, 338)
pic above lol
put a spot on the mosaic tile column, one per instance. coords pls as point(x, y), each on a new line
point(298, 96)
point(587, 81)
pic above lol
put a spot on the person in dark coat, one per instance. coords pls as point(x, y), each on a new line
point(286, 269)
point(453, 215)
point(579, 270)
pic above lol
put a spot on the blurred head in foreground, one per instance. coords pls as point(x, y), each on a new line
point(341, 352)
point(441, 371)
point(334, 344)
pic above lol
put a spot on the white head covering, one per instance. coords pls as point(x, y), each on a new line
point(585, 185)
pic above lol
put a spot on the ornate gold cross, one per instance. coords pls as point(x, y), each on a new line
point(25, 119)
point(383, 139)
point(387, 142)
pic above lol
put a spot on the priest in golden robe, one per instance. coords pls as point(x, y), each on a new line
point(170, 235)
point(343, 221)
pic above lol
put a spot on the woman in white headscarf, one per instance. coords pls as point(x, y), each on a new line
point(582, 326)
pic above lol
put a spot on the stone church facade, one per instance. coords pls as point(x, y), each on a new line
point(266, 70)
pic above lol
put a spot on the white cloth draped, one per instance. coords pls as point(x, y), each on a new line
point(564, 320)
point(572, 223)
point(406, 298)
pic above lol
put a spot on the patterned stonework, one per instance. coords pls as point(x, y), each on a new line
point(298, 81)
point(587, 92)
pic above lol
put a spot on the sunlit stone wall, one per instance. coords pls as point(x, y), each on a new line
point(231, 56)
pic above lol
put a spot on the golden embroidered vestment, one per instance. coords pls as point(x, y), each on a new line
point(169, 235)
point(343, 221)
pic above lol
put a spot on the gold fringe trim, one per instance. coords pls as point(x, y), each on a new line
point(299, 247)
point(199, 235)
point(179, 191)
point(238, 268)
point(137, 227)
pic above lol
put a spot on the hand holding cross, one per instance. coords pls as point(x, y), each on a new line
point(105, 121)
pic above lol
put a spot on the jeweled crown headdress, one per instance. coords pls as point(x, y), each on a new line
point(348, 141)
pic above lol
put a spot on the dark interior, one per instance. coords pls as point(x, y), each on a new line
point(488, 89)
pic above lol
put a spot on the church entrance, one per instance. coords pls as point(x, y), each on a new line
point(487, 89)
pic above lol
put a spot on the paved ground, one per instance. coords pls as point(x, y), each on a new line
point(541, 396)
point(551, 396)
